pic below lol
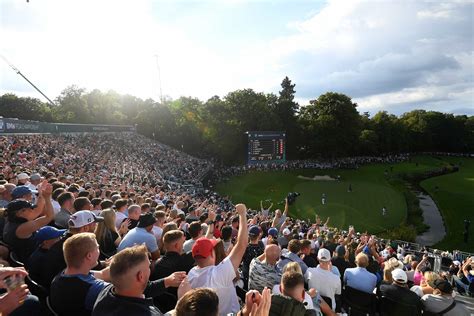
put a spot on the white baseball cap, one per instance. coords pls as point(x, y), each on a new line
point(83, 218)
point(286, 232)
point(399, 276)
point(23, 176)
point(324, 255)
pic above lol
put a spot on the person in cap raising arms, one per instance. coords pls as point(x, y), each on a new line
point(220, 277)
point(24, 219)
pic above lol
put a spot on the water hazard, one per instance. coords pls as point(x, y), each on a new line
point(431, 217)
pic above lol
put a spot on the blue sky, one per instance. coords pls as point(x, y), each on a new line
point(386, 55)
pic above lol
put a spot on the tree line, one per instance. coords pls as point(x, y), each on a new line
point(328, 127)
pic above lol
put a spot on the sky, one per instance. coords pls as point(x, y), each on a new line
point(392, 55)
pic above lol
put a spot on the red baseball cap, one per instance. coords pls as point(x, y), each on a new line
point(203, 247)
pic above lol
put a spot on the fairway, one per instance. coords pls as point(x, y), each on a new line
point(370, 192)
point(362, 207)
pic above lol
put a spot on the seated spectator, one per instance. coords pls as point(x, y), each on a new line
point(291, 255)
point(142, 234)
point(390, 265)
point(465, 277)
point(359, 278)
point(66, 201)
point(107, 235)
point(254, 249)
point(17, 302)
point(198, 302)
point(322, 279)
point(46, 237)
point(195, 230)
point(220, 277)
point(53, 263)
point(398, 291)
point(24, 219)
point(75, 290)
point(420, 269)
point(426, 285)
point(131, 292)
point(263, 270)
point(441, 302)
point(290, 301)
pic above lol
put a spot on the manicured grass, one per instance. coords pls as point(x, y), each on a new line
point(455, 199)
point(371, 191)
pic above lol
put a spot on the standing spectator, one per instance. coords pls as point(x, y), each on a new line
point(291, 255)
point(339, 259)
point(322, 279)
point(290, 301)
point(220, 277)
point(305, 253)
point(66, 201)
point(131, 292)
point(272, 235)
point(142, 234)
point(263, 270)
point(254, 249)
point(24, 219)
point(107, 235)
point(195, 230)
point(6, 194)
point(158, 227)
point(75, 290)
point(53, 263)
point(134, 212)
point(120, 209)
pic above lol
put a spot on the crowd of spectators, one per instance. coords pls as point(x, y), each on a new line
point(116, 225)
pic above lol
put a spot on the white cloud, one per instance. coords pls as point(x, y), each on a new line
point(395, 55)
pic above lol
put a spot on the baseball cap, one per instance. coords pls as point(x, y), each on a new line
point(203, 247)
point(146, 220)
point(48, 232)
point(16, 205)
point(324, 255)
point(21, 191)
point(254, 230)
point(286, 232)
point(443, 285)
point(35, 176)
point(341, 251)
point(273, 232)
point(456, 263)
point(22, 176)
point(83, 218)
point(399, 276)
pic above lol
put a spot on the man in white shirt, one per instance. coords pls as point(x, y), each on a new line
point(322, 279)
point(220, 278)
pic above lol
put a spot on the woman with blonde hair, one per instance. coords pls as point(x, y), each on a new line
point(427, 283)
point(107, 235)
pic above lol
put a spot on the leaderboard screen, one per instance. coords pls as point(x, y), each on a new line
point(266, 147)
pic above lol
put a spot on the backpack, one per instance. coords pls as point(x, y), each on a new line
point(286, 306)
point(441, 313)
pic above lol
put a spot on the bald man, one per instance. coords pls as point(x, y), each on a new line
point(263, 270)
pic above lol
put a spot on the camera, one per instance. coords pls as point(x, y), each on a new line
point(291, 197)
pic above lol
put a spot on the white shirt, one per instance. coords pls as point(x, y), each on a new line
point(325, 282)
point(56, 206)
point(157, 231)
point(307, 298)
point(220, 279)
point(119, 217)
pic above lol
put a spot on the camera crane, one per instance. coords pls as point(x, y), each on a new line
point(31, 83)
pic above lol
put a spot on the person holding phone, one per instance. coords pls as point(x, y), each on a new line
point(17, 299)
